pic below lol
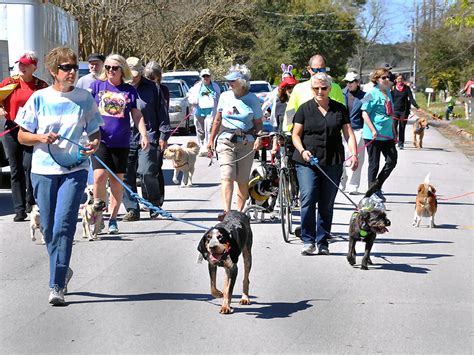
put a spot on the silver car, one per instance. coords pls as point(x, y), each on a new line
point(180, 108)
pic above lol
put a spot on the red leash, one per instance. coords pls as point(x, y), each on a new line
point(184, 119)
point(367, 144)
point(8, 131)
point(452, 198)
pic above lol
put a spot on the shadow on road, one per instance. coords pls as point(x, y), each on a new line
point(273, 310)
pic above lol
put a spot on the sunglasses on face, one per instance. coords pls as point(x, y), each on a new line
point(112, 67)
point(351, 82)
point(384, 77)
point(321, 88)
point(318, 70)
point(68, 67)
point(206, 76)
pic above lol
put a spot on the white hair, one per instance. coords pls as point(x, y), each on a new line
point(323, 77)
point(31, 55)
point(245, 72)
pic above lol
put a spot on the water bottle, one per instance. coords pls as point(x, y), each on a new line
point(83, 142)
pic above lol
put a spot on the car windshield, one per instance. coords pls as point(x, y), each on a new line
point(259, 88)
point(188, 79)
point(176, 90)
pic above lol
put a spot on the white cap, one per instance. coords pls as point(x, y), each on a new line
point(351, 76)
point(205, 72)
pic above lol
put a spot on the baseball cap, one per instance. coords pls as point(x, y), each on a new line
point(233, 75)
point(205, 72)
point(351, 76)
point(26, 60)
point(288, 81)
point(96, 56)
point(135, 66)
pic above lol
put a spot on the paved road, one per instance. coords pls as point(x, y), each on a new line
point(143, 292)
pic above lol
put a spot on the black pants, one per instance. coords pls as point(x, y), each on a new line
point(19, 157)
point(399, 123)
point(387, 148)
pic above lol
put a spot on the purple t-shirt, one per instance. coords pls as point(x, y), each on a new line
point(115, 104)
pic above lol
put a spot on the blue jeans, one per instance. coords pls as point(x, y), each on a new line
point(58, 198)
point(315, 188)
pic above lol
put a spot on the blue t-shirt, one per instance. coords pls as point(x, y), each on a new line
point(239, 113)
point(374, 104)
point(115, 104)
point(69, 114)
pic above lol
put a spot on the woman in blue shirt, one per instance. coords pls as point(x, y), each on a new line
point(238, 119)
point(377, 112)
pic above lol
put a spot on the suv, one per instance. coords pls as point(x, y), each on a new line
point(179, 104)
point(189, 77)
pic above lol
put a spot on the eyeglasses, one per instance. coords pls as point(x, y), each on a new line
point(384, 77)
point(318, 70)
point(112, 67)
point(322, 88)
point(68, 67)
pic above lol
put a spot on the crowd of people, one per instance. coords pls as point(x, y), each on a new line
point(120, 114)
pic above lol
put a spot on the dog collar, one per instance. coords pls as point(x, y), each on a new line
point(363, 233)
point(176, 166)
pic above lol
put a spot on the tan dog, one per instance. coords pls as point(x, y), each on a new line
point(35, 223)
point(426, 203)
point(184, 159)
point(419, 131)
point(91, 214)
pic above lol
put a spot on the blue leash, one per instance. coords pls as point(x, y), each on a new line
point(135, 195)
point(315, 162)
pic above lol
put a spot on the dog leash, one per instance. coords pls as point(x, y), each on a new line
point(455, 197)
point(8, 130)
point(366, 145)
point(135, 195)
point(177, 127)
point(315, 162)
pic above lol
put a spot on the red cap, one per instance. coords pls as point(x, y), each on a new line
point(25, 60)
point(288, 81)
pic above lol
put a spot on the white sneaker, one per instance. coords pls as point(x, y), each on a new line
point(56, 297)
point(308, 249)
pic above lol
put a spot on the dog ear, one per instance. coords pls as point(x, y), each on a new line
point(432, 189)
point(179, 155)
point(202, 247)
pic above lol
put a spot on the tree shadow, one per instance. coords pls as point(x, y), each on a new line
point(272, 310)
point(410, 241)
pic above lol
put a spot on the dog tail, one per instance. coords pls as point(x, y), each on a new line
point(427, 179)
point(192, 146)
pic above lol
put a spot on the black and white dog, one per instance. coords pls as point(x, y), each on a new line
point(222, 246)
point(263, 186)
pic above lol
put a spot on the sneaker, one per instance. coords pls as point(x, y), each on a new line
point(353, 191)
point(113, 226)
point(156, 215)
point(20, 217)
point(323, 250)
point(131, 216)
point(69, 274)
point(308, 249)
point(56, 297)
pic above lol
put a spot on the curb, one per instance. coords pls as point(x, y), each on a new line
point(454, 129)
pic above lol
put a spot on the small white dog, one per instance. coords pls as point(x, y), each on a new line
point(35, 223)
point(184, 159)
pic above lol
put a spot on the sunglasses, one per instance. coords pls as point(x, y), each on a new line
point(318, 70)
point(206, 76)
point(68, 67)
point(351, 82)
point(322, 88)
point(384, 77)
point(112, 67)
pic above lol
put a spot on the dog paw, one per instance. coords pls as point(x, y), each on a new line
point(351, 260)
point(217, 294)
point(225, 310)
point(175, 181)
point(33, 239)
point(244, 301)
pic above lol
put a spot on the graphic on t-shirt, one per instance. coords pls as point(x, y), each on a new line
point(113, 103)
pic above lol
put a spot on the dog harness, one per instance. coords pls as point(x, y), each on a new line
point(362, 232)
point(176, 166)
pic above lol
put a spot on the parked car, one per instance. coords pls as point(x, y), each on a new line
point(260, 87)
point(83, 69)
point(179, 104)
point(189, 77)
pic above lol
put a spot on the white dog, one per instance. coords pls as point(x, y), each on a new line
point(35, 223)
point(184, 159)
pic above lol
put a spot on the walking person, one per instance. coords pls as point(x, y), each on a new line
point(377, 111)
point(96, 63)
point(146, 163)
point(204, 96)
point(353, 95)
point(117, 103)
point(154, 72)
point(402, 101)
point(59, 169)
point(317, 133)
point(236, 125)
point(19, 155)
